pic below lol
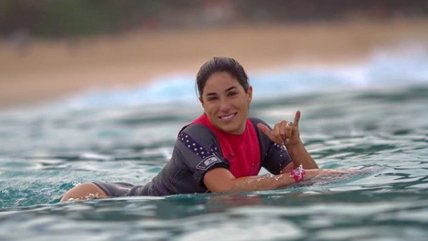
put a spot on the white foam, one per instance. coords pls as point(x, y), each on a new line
point(405, 65)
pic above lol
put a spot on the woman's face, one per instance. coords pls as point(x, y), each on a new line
point(226, 103)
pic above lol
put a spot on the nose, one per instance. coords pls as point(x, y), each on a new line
point(225, 105)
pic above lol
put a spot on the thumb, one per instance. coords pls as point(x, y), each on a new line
point(267, 131)
point(264, 128)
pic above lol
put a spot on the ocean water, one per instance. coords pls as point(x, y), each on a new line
point(370, 117)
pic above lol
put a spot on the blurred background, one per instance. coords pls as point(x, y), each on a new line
point(51, 48)
point(97, 90)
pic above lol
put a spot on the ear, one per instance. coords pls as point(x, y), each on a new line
point(250, 93)
point(201, 101)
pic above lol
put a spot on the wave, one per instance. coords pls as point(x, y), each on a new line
point(402, 67)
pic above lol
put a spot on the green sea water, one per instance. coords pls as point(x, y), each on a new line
point(380, 133)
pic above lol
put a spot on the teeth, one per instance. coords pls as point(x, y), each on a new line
point(227, 117)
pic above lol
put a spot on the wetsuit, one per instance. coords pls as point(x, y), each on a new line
point(201, 147)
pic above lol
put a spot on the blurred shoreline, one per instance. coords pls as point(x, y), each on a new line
point(36, 71)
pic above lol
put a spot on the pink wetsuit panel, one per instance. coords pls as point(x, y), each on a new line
point(242, 151)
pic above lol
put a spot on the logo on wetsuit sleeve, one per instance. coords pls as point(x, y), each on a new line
point(208, 162)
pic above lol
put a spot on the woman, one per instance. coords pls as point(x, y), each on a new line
point(223, 150)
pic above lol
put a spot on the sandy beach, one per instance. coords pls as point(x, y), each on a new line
point(43, 70)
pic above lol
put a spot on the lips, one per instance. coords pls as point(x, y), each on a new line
point(228, 116)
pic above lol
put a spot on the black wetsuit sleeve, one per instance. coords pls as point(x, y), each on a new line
point(199, 151)
point(274, 157)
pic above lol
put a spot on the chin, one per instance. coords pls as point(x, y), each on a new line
point(232, 129)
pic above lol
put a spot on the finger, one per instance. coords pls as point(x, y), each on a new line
point(297, 118)
point(288, 131)
point(277, 130)
point(282, 131)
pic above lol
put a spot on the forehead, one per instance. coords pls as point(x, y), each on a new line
point(220, 81)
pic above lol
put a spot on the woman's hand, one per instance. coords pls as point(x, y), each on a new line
point(288, 134)
point(284, 132)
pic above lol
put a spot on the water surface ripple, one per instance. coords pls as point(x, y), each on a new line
point(381, 134)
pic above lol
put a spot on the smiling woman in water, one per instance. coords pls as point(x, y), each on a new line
point(224, 149)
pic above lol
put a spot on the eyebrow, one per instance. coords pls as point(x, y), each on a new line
point(227, 90)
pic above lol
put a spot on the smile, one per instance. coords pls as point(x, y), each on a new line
point(228, 117)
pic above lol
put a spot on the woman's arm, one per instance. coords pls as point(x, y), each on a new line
point(300, 156)
point(222, 180)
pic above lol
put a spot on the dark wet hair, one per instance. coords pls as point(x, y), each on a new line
point(221, 64)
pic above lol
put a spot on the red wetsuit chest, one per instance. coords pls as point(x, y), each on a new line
point(242, 151)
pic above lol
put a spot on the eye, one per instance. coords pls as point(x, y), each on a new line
point(212, 98)
point(232, 93)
